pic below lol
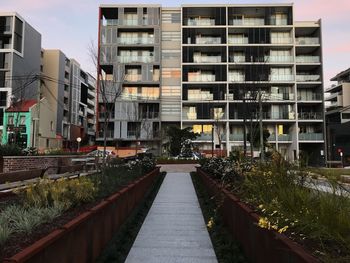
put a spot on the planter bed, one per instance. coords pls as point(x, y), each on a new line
point(259, 244)
point(80, 234)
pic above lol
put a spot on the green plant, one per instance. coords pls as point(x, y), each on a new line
point(5, 231)
point(177, 137)
point(10, 150)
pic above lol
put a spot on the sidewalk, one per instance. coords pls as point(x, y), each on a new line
point(174, 229)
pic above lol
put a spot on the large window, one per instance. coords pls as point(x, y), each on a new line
point(18, 35)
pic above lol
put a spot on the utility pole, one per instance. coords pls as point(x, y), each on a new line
point(262, 150)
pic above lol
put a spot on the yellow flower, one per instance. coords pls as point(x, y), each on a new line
point(210, 223)
point(261, 206)
point(283, 229)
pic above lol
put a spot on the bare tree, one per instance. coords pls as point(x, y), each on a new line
point(218, 126)
point(109, 90)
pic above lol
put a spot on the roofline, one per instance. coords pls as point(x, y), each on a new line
point(129, 5)
point(238, 5)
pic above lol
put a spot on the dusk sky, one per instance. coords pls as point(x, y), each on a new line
point(70, 25)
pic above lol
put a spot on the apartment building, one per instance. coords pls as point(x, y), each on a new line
point(338, 116)
point(20, 46)
point(71, 93)
point(215, 64)
point(129, 57)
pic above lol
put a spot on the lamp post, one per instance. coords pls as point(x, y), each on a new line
point(78, 140)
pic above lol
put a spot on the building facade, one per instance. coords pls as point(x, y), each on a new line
point(20, 46)
point(216, 62)
point(71, 92)
point(30, 124)
point(338, 117)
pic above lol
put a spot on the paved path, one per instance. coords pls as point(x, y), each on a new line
point(178, 168)
point(174, 229)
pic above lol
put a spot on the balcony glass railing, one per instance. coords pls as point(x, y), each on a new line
point(236, 137)
point(310, 136)
point(307, 41)
point(208, 40)
point(204, 137)
point(207, 59)
point(237, 59)
point(278, 21)
point(272, 137)
point(278, 96)
point(234, 40)
point(198, 95)
point(149, 115)
point(194, 77)
point(130, 22)
point(200, 22)
point(248, 22)
point(278, 59)
point(135, 41)
point(310, 97)
point(135, 59)
point(310, 115)
point(133, 77)
point(284, 137)
point(281, 77)
point(235, 77)
point(281, 40)
point(308, 59)
point(307, 78)
point(109, 22)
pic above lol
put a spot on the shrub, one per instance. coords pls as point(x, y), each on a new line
point(10, 150)
point(61, 193)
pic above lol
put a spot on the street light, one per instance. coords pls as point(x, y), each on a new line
point(78, 140)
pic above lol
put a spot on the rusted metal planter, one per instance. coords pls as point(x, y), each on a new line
point(259, 245)
point(83, 238)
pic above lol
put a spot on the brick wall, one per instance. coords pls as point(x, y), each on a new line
point(16, 163)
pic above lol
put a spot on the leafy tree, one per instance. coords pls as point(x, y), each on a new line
point(177, 138)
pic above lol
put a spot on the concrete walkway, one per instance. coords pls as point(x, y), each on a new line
point(174, 229)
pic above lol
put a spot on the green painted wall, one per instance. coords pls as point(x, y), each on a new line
point(16, 120)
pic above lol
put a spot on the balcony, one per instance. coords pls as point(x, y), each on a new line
point(135, 59)
point(235, 77)
point(208, 40)
point(204, 137)
point(133, 77)
point(310, 116)
point(66, 94)
point(237, 59)
point(110, 22)
point(252, 21)
point(200, 77)
point(103, 115)
point(308, 59)
point(281, 40)
point(284, 137)
point(308, 78)
point(132, 134)
point(279, 59)
point(130, 22)
point(278, 96)
point(149, 115)
point(310, 136)
point(236, 137)
point(281, 78)
point(109, 134)
point(199, 95)
point(237, 40)
point(91, 93)
point(136, 41)
point(310, 97)
point(91, 102)
point(307, 41)
point(206, 59)
point(271, 138)
point(200, 21)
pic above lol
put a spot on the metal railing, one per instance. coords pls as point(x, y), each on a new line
point(308, 59)
point(308, 78)
point(200, 22)
point(135, 41)
point(310, 97)
point(310, 115)
point(208, 40)
point(136, 59)
point(307, 41)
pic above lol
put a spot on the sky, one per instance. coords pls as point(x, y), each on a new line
point(71, 25)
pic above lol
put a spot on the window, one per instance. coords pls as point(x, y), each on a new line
point(10, 120)
point(18, 35)
point(22, 120)
point(345, 115)
point(51, 125)
point(3, 98)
